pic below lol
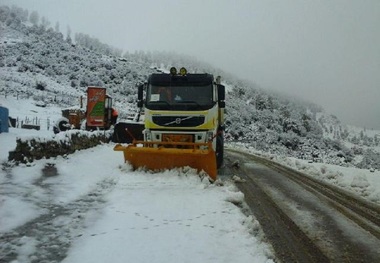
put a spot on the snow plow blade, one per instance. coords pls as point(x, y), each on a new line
point(168, 155)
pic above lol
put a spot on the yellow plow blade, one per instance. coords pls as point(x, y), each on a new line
point(166, 157)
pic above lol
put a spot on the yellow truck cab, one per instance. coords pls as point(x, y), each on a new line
point(184, 122)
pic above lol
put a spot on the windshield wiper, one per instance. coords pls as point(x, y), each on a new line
point(188, 102)
point(158, 102)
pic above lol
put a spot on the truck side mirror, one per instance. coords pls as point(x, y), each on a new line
point(108, 102)
point(140, 96)
point(221, 92)
point(221, 96)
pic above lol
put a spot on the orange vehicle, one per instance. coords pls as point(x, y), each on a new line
point(98, 113)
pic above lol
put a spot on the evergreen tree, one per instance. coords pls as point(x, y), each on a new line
point(56, 28)
point(68, 36)
point(34, 18)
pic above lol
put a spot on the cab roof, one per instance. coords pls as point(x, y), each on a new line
point(163, 79)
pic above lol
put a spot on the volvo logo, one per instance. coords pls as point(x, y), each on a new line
point(178, 120)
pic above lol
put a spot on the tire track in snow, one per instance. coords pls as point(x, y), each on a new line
point(49, 236)
point(291, 205)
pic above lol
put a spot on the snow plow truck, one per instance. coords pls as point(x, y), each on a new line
point(184, 123)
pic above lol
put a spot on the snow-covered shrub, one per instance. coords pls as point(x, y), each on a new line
point(40, 85)
point(323, 169)
point(23, 67)
point(360, 181)
point(28, 150)
point(371, 159)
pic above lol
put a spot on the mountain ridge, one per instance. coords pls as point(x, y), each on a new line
point(38, 62)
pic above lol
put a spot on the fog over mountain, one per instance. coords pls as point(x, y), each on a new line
point(326, 52)
point(38, 62)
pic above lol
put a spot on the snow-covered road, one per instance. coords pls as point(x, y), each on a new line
point(302, 216)
point(91, 207)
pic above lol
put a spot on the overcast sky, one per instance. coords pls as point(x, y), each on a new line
point(325, 51)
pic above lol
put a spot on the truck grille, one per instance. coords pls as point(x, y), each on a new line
point(178, 121)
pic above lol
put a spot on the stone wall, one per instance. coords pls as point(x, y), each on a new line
point(28, 150)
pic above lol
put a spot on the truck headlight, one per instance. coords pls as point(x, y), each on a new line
point(210, 136)
point(148, 136)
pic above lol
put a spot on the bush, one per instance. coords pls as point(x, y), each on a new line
point(41, 85)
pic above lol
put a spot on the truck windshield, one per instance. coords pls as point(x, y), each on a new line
point(180, 97)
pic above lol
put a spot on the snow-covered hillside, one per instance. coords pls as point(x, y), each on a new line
point(41, 72)
point(39, 63)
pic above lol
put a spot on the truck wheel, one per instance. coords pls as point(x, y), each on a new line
point(61, 125)
point(219, 150)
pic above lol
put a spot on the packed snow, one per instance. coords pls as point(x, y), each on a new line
point(100, 210)
point(364, 183)
point(172, 216)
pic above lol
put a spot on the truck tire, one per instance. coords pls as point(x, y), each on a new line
point(219, 150)
point(61, 124)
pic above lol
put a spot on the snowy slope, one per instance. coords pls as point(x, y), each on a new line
point(39, 63)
